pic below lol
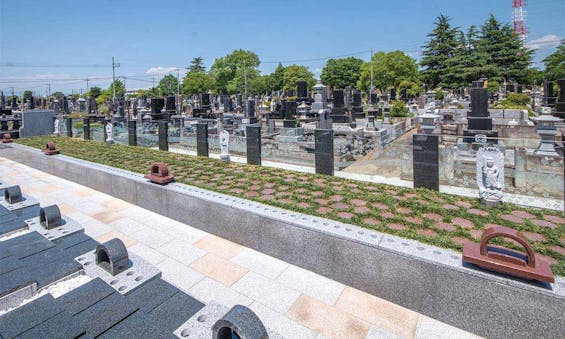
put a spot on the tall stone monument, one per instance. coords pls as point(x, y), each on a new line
point(560, 102)
point(479, 120)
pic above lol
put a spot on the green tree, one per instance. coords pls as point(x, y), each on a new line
point(94, 92)
point(441, 46)
point(412, 88)
point(277, 78)
point(168, 85)
point(340, 73)
point(398, 109)
point(555, 63)
point(27, 95)
point(197, 82)
point(294, 73)
point(58, 95)
point(120, 88)
point(506, 53)
point(196, 66)
point(231, 70)
point(261, 84)
point(389, 69)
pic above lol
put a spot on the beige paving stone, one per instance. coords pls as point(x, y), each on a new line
point(378, 312)
point(280, 323)
point(221, 247)
point(186, 233)
point(117, 205)
point(327, 320)
point(128, 242)
point(219, 269)
point(95, 228)
point(65, 209)
point(151, 238)
point(178, 274)
point(106, 216)
point(150, 255)
point(84, 192)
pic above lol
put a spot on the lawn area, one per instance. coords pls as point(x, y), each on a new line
point(428, 216)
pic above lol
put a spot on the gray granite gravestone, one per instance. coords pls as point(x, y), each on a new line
point(202, 139)
point(324, 151)
point(253, 139)
point(426, 161)
point(69, 125)
point(132, 132)
point(86, 128)
point(37, 122)
point(163, 135)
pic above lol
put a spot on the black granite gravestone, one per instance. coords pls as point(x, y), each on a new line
point(338, 99)
point(202, 139)
point(560, 102)
point(302, 89)
point(549, 99)
point(170, 104)
point(374, 98)
point(69, 125)
point(324, 151)
point(86, 128)
point(132, 132)
point(393, 94)
point(253, 139)
point(157, 105)
point(250, 108)
point(163, 135)
point(426, 161)
point(479, 120)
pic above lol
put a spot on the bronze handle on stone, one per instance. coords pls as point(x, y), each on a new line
point(499, 231)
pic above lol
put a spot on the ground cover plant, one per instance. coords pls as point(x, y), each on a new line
point(428, 216)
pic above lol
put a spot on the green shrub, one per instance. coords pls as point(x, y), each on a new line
point(518, 99)
point(399, 109)
point(439, 94)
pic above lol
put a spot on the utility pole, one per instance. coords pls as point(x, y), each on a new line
point(87, 88)
point(114, 65)
point(48, 90)
point(245, 79)
point(178, 92)
point(372, 77)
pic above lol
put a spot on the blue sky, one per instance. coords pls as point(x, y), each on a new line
point(51, 41)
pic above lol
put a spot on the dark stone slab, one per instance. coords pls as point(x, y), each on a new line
point(175, 311)
point(69, 125)
point(479, 102)
point(426, 161)
point(59, 326)
point(104, 314)
point(137, 325)
point(85, 296)
point(163, 135)
point(81, 248)
point(241, 321)
point(289, 123)
point(44, 257)
point(27, 244)
point(12, 226)
point(49, 273)
point(9, 264)
point(27, 212)
point(4, 253)
point(479, 123)
point(15, 280)
point(151, 294)
point(132, 132)
point(253, 140)
point(7, 217)
point(324, 151)
point(28, 316)
point(71, 240)
point(202, 139)
point(86, 128)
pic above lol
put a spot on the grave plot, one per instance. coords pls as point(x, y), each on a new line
point(55, 281)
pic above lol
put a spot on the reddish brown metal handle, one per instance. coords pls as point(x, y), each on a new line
point(160, 168)
point(499, 231)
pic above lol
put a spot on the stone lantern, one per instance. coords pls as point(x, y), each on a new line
point(428, 122)
point(546, 130)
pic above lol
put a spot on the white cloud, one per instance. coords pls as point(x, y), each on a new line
point(546, 41)
point(161, 70)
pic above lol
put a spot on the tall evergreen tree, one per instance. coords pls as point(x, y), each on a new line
point(197, 65)
point(506, 53)
point(442, 46)
point(555, 63)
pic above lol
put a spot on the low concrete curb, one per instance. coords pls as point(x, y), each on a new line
point(424, 278)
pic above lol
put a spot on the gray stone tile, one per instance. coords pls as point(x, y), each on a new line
point(151, 238)
point(429, 328)
point(208, 290)
point(258, 262)
point(181, 251)
point(280, 323)
point(178, 274)
point(266, 291)
point(311, 284)
point(151, 255)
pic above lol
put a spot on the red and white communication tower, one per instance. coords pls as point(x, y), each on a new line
point(519, 14)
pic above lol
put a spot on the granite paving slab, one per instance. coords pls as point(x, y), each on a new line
point(28, 316)
point(85, 296)
point(59, 326)
point(173, 312)
point(27, 244)
point(152, 294)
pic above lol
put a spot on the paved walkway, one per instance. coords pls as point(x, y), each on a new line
point(290, 300)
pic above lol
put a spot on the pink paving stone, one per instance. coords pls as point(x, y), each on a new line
point(218, 175)
point(414, 220)
point(533, 236)
point(254, 187)
point(286, 201)
point(356, 190)
point(320, 185)
point(449, 207)
point(523, 215)
point(446, 226)
point(422, 202)
point(543, 223)
point(460, 240)
point(352, 185)
point(324, 210)
point(303, 204)
point(336, 198)
point(236, 190)
point(340, 206)
point(361, 210)
point(317, 193)
point(371, 221)
point(512, 218)
point(478, 212)
point(379, 206)
point(403, 210)
point(268, 191)
point(476, 234)
point(411, 195)
point(321, 201)
point(426, 233)
point(393, 192)
point(268, 197)
point(256, 182)
point(558, 249)
point(462, 222)
point(548, 259)
point(338, 188)
point(387, 215)
point(463, 204)
point(554, 219)
point(282, 188)
point(251, 194)
point(282, 194)
point(358, 202)
point(399, 198)
point(320, 181)
point(397, 227)
point(223, 187)
point(371, 188)
point(269, 185)
point(433, 216)
point(303, 178)
point(300, 190)
point(345, 215)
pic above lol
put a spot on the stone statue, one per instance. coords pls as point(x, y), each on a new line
point(224, 146)
point(490, 175)
point(109, 133)
point(56, 127)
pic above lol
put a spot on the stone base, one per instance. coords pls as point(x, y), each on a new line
point(469, 136)
point(491, 203)
point(225, 157)
point(340, 119)
point(289, 123)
